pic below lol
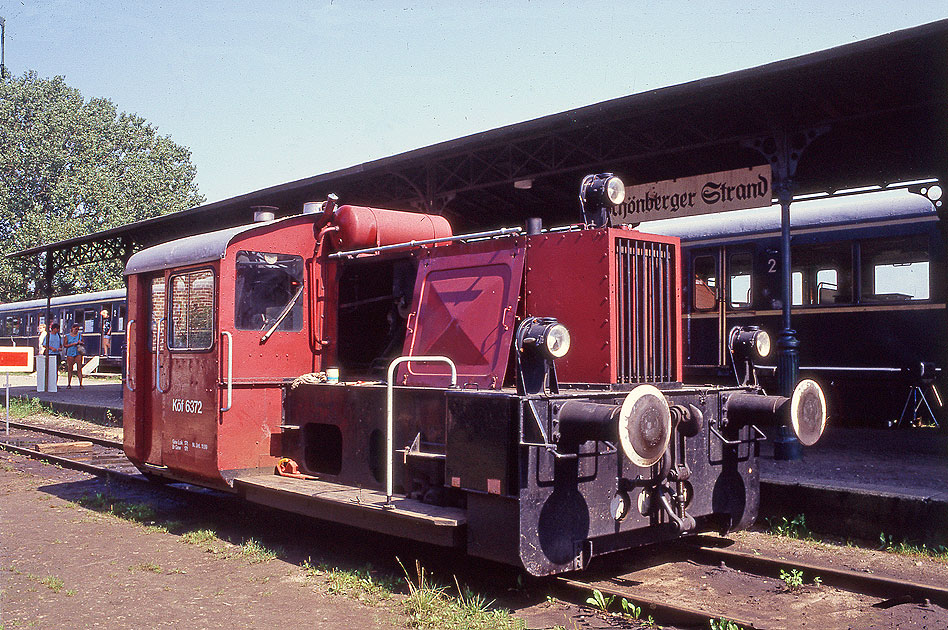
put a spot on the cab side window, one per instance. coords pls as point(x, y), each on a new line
point(267, 285)
point(192, 311)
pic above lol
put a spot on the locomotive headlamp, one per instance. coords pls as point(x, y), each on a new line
point(598, 195)
point(545, 334)
point(747, 342)
point(540, 340)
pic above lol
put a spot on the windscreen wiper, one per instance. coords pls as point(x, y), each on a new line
point(286, 311)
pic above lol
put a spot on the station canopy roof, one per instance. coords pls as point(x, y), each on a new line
point(880, 107)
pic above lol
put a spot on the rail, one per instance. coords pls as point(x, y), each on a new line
point(390, 417)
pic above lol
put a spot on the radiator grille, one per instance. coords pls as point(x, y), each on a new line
point(646, 321)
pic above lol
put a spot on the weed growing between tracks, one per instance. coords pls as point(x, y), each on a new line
point(905, 548)
point(797, 528)
point(790, 528)
point(23, 407)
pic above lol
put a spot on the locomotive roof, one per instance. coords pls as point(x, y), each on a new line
point(66, 300)
point(865, 210)
point(190, 250)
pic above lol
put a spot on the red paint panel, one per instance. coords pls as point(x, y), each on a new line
point(464, 307)
point(619, 294)
point(568, 277)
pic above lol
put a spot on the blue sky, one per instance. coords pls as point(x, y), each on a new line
point(269, 92)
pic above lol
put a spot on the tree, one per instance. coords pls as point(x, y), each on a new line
point(70, 167)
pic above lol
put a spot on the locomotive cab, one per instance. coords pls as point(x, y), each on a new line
point(217, 321)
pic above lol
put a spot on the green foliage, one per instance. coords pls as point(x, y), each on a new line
point(255, 553)
point(888, 543)
point(600, 601)
point(70, 167)
point(199, 537)
point(723, 624)
point(630, 609)
point(793, 578)
point(791, 528)
point(137, 512)
point(429, 605)
point(53, 583)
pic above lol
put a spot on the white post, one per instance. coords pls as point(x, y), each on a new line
point(8, 403)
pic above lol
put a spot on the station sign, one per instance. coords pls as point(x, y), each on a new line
point(702, 194)
point(16, 359)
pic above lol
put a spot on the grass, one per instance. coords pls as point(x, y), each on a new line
point(797, 528)
point(429, 605)
point(255, 553)
point(137, 512)
point(23, 407)
point(905, 548)
point(361, 584)
point(147, 566)
point(723, 624)
point(199, 537)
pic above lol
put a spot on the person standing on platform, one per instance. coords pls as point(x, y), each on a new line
point(106, 333)
point(53, 347)
point(73, 345)
point(41, 342)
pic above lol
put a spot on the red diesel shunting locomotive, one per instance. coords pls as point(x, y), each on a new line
point(539, 421)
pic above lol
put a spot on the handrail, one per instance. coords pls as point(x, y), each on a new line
point(161, 324)
point(230, 370)
point(389, 415)
point(511, 231)
point(129, 381)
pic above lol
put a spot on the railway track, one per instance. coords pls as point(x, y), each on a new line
point(707, 559)
point(95, 455)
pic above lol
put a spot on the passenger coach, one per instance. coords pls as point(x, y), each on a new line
point(868, 297)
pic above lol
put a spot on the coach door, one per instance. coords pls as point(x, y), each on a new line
point(722, 296)
point(183, 362)
point(706, 310)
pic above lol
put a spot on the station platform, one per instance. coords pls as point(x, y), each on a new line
point(854, 483)
point(99, 400)
point(860, 483)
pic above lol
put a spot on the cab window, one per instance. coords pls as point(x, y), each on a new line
point(269, 290)
point(192, 311)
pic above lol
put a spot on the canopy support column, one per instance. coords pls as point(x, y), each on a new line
point(783, 151)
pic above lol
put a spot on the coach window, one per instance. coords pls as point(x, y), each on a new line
point(192, 311)
point(267, 285)
point(895, 269)
point(822, 274)
point(739, 280)
point(705, 293)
